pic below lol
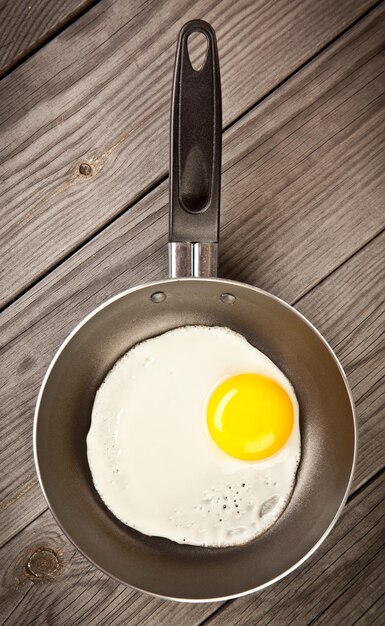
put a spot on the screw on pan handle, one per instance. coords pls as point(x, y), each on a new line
point(195, 157)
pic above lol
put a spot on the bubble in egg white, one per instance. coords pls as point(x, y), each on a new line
point(268, 506)
point(151, 455)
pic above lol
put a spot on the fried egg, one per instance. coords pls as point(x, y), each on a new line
point(195, 437)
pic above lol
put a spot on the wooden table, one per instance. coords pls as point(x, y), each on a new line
point(84, 148)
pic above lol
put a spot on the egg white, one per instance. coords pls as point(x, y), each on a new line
point(152, 458)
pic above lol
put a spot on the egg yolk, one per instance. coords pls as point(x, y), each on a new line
point(250, 416)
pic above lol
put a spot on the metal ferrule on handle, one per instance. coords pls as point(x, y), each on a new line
point(195, 159)
point(199, 260)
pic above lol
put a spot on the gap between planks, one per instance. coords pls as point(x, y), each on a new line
point(333, 272)
point(296, 302)
point(291, 609)
point(38, 215)
point(82, 594)
point(46, 29)
point(290, 226)
point(363, 259)
point(158, 181)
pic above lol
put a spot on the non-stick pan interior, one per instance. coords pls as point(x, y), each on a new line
point(158, 565)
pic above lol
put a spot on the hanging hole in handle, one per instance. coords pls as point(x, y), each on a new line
point(197, 47)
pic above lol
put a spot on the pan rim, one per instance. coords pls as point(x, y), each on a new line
point(224, 282)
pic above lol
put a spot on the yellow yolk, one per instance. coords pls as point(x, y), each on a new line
point(250, 416)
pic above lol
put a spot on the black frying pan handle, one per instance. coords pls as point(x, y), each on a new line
point(196, 142)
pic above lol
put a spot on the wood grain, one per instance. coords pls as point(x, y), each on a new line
point(99, 93)
point(26, 25)
point(350, 312)
point(359, 317)
point(294, 200)
point(336, 586)
point(76, 593)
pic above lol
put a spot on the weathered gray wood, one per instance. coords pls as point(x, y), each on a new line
point(26, 25)
point(75, 593)
point(358, 316)
point(337, 585)
point(350, 312)
point(99, 93)
point(305, 194)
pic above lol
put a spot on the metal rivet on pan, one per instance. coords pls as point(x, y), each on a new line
point(227, 298)
point(158, 296)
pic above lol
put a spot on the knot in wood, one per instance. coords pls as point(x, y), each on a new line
point(42, 563)
point(86, 170)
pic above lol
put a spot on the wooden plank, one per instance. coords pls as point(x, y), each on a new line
point(99, 93)
point(298, 198)
point(351, 315)
point(24, 26)
point(75, 593)
point(338, 584)
point(359, 316)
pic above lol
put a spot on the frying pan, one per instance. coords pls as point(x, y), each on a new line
point(192, 295)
